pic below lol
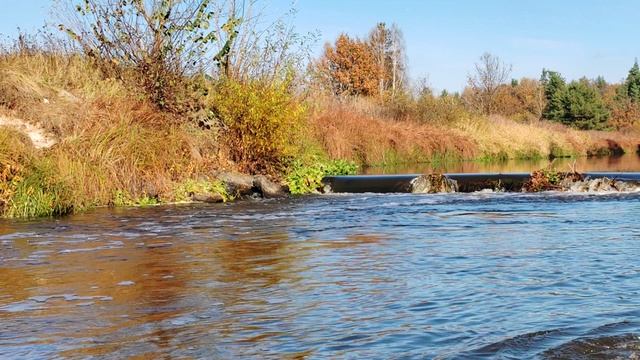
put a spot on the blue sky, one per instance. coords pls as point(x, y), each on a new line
point(444, 38)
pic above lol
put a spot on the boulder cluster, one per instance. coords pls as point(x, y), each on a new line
point(242, 185)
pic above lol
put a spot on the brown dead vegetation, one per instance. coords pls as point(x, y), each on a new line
point(366, 131)
point(347, 134)
point(547, 180)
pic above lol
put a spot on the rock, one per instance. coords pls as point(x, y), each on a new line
point(236, 184)
point(433, 184)
point(247, 185)
point(208, 198)
point(267, 188)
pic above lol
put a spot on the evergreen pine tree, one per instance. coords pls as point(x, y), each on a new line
point(578, 104)
point(554, 92)
point(632, 84)
point(584, 107)
point(601, 84)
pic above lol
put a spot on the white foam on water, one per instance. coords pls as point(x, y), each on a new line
point(110, 245)
point(604, 186)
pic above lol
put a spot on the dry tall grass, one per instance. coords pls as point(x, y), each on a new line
point(348, 134)
point(361, 131)
point(497, 136)
point(15, 152)
point(110, 140)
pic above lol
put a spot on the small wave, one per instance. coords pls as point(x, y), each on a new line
point(21, 306)
point(68, 297)
point(110, 245)
point(36, 303)
point(489, 191)
point(19, 235)
point(517, 346)
point(625, 346)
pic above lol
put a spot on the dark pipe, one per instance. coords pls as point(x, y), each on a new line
point(621, 176)
point(466, 182)
point(370, 183)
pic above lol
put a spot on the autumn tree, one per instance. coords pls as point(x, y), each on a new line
point(349, 67)
point(164, 42)
point(625, 113)
point(398, 59)
point(625, 104)
point(388, 47)
point(379, 40)
point(490, 73)
point(521, 100)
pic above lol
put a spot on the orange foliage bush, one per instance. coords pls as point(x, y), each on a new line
point(625, 115)
point(522, 101)
point(349, 67)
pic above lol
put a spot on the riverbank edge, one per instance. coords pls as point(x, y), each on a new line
point(232, 186)
point(300, 179)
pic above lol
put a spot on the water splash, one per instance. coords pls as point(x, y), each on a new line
point(433, 184)
point(601, 185)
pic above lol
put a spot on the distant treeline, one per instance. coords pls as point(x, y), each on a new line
point(376, 67)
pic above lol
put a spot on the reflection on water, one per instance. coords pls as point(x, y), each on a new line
point(628, 162)
point(364, 276)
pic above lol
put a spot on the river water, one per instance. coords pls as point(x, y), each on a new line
point(453, 276)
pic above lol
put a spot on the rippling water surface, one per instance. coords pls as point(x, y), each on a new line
point(339, 276)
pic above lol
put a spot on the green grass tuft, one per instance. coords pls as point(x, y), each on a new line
point(41, 193)
point(306, 179)
point(189, 187)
